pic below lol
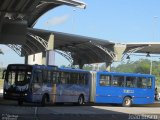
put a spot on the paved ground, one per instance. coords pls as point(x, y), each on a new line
point(9, 110)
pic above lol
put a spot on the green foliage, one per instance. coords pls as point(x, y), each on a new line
point(88, 67)
point(142, 66)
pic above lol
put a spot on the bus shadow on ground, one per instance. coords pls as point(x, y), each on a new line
point(15, 103)
point(59, 112)
point(67, 111)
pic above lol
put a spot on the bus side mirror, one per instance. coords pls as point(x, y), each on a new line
point(4, 73)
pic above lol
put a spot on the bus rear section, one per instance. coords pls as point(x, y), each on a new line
point(61, 86)
point(122, 88)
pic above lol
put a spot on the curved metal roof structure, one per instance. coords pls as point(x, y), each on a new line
point(80, 48)
point(143, 47)
point(77, 49)
point(31, 10)
point(17, 18)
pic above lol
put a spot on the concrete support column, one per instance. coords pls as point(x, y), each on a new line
point(108, 66)
point(46, 57)
point(50, 54)
point(119, 50)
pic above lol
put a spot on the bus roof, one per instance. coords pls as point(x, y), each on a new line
point(125, 74)
point(49, 67)
point(73, 70)
point(52, 67)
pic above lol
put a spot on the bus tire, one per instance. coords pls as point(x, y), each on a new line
point(44, 100)
point(20, 102)
point(81, 100)
point(127, 102)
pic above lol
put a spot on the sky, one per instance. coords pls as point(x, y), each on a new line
point(119, 21)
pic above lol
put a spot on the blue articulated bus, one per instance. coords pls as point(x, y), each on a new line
point(122, 88)
point(39, 83)
point(50, 84)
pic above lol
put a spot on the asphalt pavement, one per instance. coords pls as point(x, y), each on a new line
point(9, 110)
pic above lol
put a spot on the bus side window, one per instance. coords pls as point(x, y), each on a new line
point(62, 79)
point(86, 79)
point(74, 78)
point(149, 82)
point(118, 81)
point(130, 81)
point(114, 81)
point(65, 78)
point(82, 78)
point(105, 80)
point(49, 76)
point(45, 75)
point(55, 77)
point(141, 82)
point(68, 78)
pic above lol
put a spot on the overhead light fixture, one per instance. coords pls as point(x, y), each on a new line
point(148, 54)
point(128, 57)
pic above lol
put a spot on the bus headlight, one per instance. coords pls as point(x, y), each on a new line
point(25, 94)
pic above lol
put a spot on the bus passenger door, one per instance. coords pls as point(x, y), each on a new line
point(60, 87)
point(37, 86)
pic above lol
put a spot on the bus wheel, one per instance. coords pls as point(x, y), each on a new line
point(81, 100)
point(44, 100)
point(127, 102)
point(20, 102)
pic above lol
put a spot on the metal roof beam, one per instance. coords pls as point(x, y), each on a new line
point(76, 3)
point(67, 55)
point(33, 43)
point(17, 49)
point(94, 51)
point(109, 52)
point(43, 42)
point(133, 50)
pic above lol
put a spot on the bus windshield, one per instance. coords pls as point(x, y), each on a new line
point(18, 77)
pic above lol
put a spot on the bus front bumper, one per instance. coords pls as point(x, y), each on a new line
point(14, 96)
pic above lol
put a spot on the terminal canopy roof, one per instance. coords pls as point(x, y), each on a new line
point(83, 50)
point(16, 30)
point(31, 10)
point(143, 47)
